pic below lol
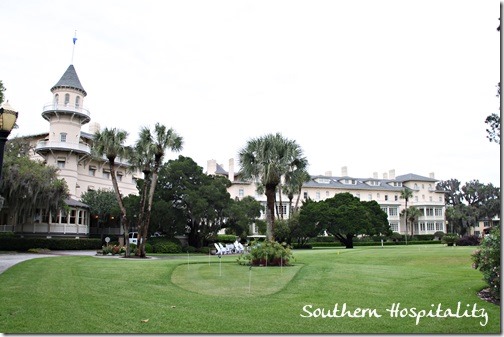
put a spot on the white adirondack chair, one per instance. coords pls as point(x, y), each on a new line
point(224, 249)
point(220, 251)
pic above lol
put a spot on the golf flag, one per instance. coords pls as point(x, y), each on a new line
point(74, 39)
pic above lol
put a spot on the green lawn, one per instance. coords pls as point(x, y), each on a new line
point(82, 294)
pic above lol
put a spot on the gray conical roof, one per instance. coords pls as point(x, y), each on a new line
point(70, 80)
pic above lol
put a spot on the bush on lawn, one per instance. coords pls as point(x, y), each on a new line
point(470, 240)
point(487, 260)
point(166, 247)
point(267, 253)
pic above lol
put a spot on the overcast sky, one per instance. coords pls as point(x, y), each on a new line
point(371, 85)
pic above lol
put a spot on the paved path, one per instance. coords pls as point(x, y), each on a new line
point(8, 259)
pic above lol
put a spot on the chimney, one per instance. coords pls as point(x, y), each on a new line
point(344, 171)
point(431, 175)
point(375, 175)
point(231, 170)
point(385, 175)
point(94, 127)
point(391, 174)
point(211, 166)
point(328, 173)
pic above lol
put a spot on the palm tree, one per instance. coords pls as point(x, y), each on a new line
point(406, 194)
point(110, 143)
point(293, 184)
point(150, 151)
point(413, 214)
point(266, 159)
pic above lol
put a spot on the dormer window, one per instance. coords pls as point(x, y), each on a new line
point(349, 181)
point(323, 180)
point(63, 137)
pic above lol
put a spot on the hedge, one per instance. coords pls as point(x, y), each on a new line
point(357, 243)
point(23, 244)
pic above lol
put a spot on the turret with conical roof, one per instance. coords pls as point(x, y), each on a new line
point(69, 80)
point(66, 114)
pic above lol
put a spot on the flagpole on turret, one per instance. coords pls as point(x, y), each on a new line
point(73, 49)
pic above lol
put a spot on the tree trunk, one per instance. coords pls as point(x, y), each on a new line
point(124, 219)
point(142, 232)
point(270, 211)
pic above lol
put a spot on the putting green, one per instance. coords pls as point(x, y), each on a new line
point(231, 279)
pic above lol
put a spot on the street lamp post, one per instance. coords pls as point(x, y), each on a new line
point(8, 119)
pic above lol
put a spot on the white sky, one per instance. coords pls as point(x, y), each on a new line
point(371, 85)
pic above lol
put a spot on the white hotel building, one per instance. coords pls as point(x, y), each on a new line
point(386, 191)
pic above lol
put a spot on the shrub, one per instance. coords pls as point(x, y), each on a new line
point(267, 253)
point(487, 260)
point(166, 247)
point(470, 240)
point(225, 238)
point(439, 235)
point(450, 239)
point(23, 244)
point(189, 249)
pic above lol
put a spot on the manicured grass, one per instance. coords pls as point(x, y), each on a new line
point(77, 294)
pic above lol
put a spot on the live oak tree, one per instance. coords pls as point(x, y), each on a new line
point(102, 205)
point(469, 203)
point(197, 202)
point(28, 185)
point(345, 217)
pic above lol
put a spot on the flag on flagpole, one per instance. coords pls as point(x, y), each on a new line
point(74, 39)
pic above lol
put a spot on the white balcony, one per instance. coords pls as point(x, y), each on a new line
point(45, 145)
point(53, 108)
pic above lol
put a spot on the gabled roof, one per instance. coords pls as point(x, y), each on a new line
point(70, 80)
point(414, 177)
point(75, 203)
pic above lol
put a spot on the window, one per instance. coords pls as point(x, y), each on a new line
point(430, 226)
point(327, 194)
point(386, 197)
point(241, 193)
point(394, 227)
point(429, 211)
point(119, 176)
point(416, 198)
point(73, 213)
point(281, 209)
point(384, 209)
point(106, 174)
point(305, 195)
point(395, 197)
point(63, 137)
point(430, 197)
point(439, 226)
point(67, 99)
point(56, 99)
point(422, 226)
point(61, 163)
point(438, 211)
point(77, 101)
point(317, 195)
point(415, 187)
point(92, 171)
point(370, 197)
point(440, 198)
point(377, 196)
point(393, 211)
